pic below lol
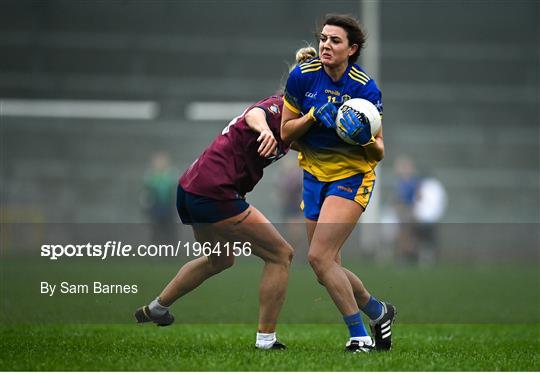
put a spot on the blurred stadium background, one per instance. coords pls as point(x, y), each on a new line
point(460, 84)
point(96, 94)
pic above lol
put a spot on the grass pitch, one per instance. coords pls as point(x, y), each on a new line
point(229, 347)
point(449, 318)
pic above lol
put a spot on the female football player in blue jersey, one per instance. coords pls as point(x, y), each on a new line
point(211, 198)
point(338, 177)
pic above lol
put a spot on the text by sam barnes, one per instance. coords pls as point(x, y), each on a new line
point(95, 287)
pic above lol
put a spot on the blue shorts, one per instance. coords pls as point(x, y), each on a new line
point(194, 209)
point(357, 188)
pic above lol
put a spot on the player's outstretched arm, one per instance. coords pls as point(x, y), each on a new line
point(256, 120)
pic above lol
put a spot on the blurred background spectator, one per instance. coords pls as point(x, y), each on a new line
point(428, 210)
point(159, 198)
point(420, 203)
point(407, 185)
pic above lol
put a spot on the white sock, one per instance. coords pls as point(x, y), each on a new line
point(265, 340)
point(365, 340)
point(157, 309)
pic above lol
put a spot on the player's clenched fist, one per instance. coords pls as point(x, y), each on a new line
point(359, 130)
point(325, 114)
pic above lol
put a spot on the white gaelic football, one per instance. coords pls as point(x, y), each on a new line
point(360, 107)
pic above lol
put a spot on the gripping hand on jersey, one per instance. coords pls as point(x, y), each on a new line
point(324, 114)
point(268, 145)
point(359, 130)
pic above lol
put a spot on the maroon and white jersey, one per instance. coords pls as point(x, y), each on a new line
point(230, 166)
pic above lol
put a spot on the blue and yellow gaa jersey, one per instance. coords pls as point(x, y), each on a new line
point(322, 152)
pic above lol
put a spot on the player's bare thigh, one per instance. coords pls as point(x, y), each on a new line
point(337, 220)
point(253, 227)
point(208, 233)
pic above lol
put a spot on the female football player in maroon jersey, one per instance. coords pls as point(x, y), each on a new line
point(211, 198)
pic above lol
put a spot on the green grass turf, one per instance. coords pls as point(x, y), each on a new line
point(450, 318)
point(439, 295)
point(229, 347)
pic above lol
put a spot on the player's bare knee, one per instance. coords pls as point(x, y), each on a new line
point(220, 263)
point(313, 260)
point(282, 255)
point(287, 253)
point(319, 264)
point(227, 262)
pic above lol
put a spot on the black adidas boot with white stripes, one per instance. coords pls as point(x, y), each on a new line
point(143, 315)
point(382, 329)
